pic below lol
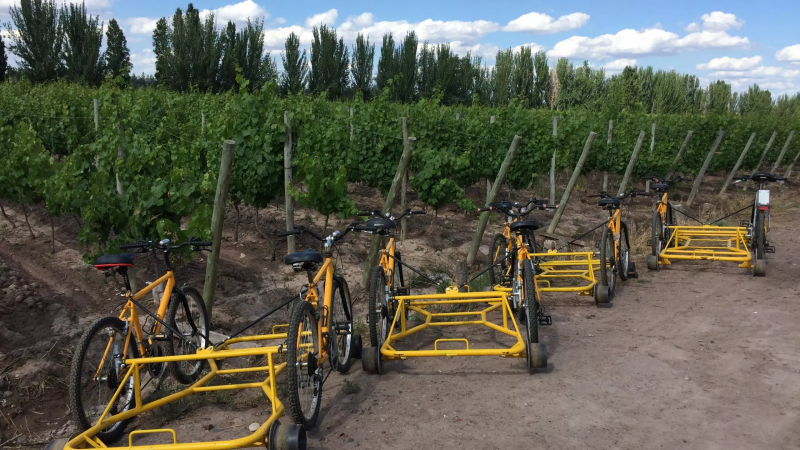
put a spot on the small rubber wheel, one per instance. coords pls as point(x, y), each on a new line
point(371, 360)
point(652, 262)
point(760, 268)
point(57, 444)
point(356, 346)
point(602, 295)
point(537, 356)
point(286, 437)
point(295, 437)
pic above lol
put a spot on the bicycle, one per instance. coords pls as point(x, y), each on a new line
point(387, 281)
point(502, 244)
point(614, 247)
point(663, 218)
point(320, 327)
point(99, 362)
point(759, 224)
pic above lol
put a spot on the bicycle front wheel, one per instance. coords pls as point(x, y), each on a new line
point(95, 376)
point(608, 263)
point(497, 256)
point(189, 317)
point(341, 326)
point(378, 313)
point(303, 372)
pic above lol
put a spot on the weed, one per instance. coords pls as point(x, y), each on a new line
point(481, 283)
point(350, 388)
point(360, 325)
point(590, 316)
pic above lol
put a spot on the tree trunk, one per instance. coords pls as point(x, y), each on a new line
point(3, 211)
point(25, 211)
point(236, 226)
point(52, 234)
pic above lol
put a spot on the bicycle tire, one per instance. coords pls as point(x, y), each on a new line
point(76, 388)
point(531, 302)
point(341, 314)
point(608, 265)
point(187, 372)
point(397, 282)
point(497, 253)
point(656, 234)
point(760, 244)
point(377, 316)
point(303, 404)
point(624, 252)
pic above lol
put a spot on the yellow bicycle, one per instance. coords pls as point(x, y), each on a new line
point(663, 218)
point(503, 243)
point(180, 327)
point(320, 328)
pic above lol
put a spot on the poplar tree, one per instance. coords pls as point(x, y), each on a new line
point(363, 63)
point(295, 67)
point(36, 39)
point(118, 56)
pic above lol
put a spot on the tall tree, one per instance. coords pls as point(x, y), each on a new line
point(387, 68)
point(524, 76)
point(118, 57)
point(3, 60)
point(257, 69)
point(295, 67)
point(329, 63)
point(647, 90)
point(565, 74)
point(719, 97)
point(227, 66)
point(166, 72)
point(755, 101)
point(83, 37)
point(541, 88)
point(503, 78)
point(406, 65)
point(363, 62)
point(37, 38)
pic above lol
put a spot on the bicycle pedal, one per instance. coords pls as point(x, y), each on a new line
point(632, 273)
point(402, 291)
point(597, 244)
point(770, 249)
point(745, 223)
point(545, 320)
point(649, 242)
point(160, 337)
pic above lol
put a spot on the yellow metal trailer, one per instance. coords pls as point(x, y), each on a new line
point(707, 243)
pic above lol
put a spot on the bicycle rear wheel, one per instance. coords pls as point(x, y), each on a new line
point(341, 326)
point(378, 313)
point(303, 372)
point(191, 320)
point(497, 256)
point(608, 263)
point(95, 375)
point(760, 245)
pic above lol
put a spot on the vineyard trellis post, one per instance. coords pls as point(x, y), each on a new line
point(736, 167)
point(678, 157)
point(553, 163)
point(631, 163)
point(202, 123)
point(498, 182)
point(652, 147)
point(405, 159)
point(96, 107)
point(287, 181)
point(766, 150)
point(351, 124)
point(120, 155)
point(575, 174)
point(217, 219)
point(783, 152)
point(404, 186)
point(608, 150)
point(488, 181)
point(789, 169)
point(702, 173)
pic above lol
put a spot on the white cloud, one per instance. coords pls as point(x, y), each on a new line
point(728, 63)
point(619, 64)
point(237, 13)
point(538, 23)
point(485, 51)
point(275, 38)
point(141, 25)
point(720, 21)
point(280, 20)
point(434, 31)
point(533, 46)
point(328, 18)
point(758, 72)
point(791, 53)
point(693, 27)
point(144, 61)
point(650, 41)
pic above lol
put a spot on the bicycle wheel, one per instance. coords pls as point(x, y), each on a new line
point(303, 373)
point(378, 314)
point(499, 250)
point(657, 234)
point(398, 282)
point(760, 244)
point(94, 377)
point(530, 302)
point(191, 320)
point(608, 264)
point(341, 326)
point(624, 252)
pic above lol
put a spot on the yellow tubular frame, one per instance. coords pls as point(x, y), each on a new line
point(696, 243)
point(87, 439)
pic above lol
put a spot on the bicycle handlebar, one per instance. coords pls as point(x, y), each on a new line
point(336, 235)
point(378, 214)
point(193, 242)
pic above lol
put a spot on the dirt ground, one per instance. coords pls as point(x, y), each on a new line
point(692, 356)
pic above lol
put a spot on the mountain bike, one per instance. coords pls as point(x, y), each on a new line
point(759, 223)
point(386, 282)
point(663, 218)
point(320, 327)
point(180, 327)
point(614, 247)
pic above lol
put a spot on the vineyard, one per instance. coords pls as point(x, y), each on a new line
point(152, 157)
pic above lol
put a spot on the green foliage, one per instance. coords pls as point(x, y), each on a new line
point(329, 63)
point(83, 36)
point(3, 60)
point(295, 67)
point(363, 62)
point(36, 38)
point(118, 57)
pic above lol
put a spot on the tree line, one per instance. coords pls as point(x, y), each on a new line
point(193, 53)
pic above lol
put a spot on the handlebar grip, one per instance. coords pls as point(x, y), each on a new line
point(486, 209)
point(202, 243)
point(289, 233)
point(419, 212)
point(363, 214)
point(125, 246)
point(368, 229)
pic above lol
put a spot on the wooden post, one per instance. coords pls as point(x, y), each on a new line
point(678, 157)
point(202, 123)
point(96, 105)
point(458, 117)
point(738, 163)
point(565, 197)
point(783, 152)
point(653, 137)
point(120, 155)
point(501, 176)
point(701, 174)
point(404, 187)
point(631, 163)
point(789, 169)
point(287, 181)
point(351, 124)
point(461, 275)
point(372, 257)
point(488, 181)
point(763, 155)
point(217, 218)
point(553, 163)
point(491, 120)
point(608, 149)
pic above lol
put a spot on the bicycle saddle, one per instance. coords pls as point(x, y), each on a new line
point(762, 177)
point(524, 225)
point(106, 261)
point(660, 187)
point(380, 222)
point(301, 257)
point(609, 201)
point(503, 205)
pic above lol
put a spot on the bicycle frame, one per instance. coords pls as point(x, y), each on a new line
point(323, 325)
point(614, 226)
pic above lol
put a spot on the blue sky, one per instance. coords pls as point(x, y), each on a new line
point(742, 42)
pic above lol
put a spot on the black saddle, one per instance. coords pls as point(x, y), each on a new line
point(763, 177)
point(108, 261)
point(380, 223)
point(302, 257)
point(609, 202)
point(521, 225)
point(660, 187)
